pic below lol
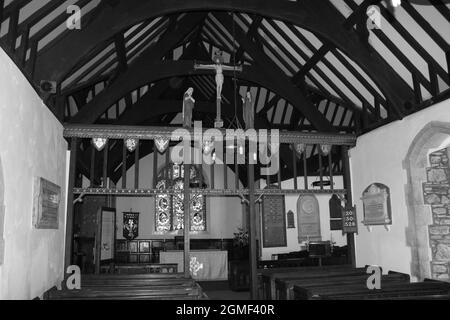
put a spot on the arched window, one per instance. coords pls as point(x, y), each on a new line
point(169, 213)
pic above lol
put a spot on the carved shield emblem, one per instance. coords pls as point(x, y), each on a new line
point(99, 143)
point(131, 144)
point(161, 144)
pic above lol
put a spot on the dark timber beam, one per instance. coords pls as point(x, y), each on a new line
point(145, 73)
point(309, 14)
point(281, 82)
point(153, 54)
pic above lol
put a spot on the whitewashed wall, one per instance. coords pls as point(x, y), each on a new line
point(31, 145)
point(378, 157)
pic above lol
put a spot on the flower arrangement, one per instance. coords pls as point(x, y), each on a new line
point(240, 238)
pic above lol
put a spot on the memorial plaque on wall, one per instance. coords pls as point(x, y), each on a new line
point(377, 205)
point(273, 221)
point(46, 199)
point(308, 219)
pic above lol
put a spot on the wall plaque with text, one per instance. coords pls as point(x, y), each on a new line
point(349, 223)
point(377, 205)
point(274, 221)
point(46, 199)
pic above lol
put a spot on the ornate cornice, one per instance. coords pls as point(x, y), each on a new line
point(177, 134)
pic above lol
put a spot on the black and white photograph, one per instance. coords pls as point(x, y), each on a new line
point(225, 158)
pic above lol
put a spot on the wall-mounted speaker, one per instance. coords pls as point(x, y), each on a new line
point(48, 86)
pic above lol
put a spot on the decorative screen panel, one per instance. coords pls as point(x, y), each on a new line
point(170, 209)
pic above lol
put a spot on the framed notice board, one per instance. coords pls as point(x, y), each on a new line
point(349, 223)
point(274, 221)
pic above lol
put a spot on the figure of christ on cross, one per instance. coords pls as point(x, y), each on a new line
point(219, 67)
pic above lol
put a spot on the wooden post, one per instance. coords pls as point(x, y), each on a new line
point(155, 165)
point(294, 166)
point(105, 165)
point(319, 153)
point(124, 165)
point(305, 169)
point(98, 241)
point(136, 166)
point(348, 187)
point(330, 167)
point(252, 232)
point(186, 206)
point(70, 196)
point(92, 169)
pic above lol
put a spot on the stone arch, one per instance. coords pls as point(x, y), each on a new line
point(419, 214)
point(2, 214)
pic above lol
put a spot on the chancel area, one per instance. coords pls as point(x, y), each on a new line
point(223, 150)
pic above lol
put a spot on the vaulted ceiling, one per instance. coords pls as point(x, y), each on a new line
point(310, 65)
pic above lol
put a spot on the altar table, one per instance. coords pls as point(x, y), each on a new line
point(211, 264)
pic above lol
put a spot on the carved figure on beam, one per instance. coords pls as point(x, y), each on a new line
point(188, 107)
point(219, 67)
point(248, 111)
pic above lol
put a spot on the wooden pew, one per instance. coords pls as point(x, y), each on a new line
point(127, 293)
point(360, 290)
point(284, 287)
point(268, 278)
point(124, 287)
point(146, 268)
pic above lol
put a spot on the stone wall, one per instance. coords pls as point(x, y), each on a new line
point(437, 195)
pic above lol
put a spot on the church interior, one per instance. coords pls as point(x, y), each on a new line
point(226, 149)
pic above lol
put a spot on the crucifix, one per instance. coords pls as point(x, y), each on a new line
point(219, 67)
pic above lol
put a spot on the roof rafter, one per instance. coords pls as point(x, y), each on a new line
point(307, 13)
point(277, 76)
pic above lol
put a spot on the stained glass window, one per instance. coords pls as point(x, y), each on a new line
point(170, 208)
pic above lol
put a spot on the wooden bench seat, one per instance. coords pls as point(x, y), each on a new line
point(268, 279)
point(360, 290)
point(131, 282)
point(284, 287)
point(145, 268)
point(127, 292)
point(124, 287)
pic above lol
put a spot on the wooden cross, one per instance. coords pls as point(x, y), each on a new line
point(219, 67)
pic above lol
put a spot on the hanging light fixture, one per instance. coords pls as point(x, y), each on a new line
point(208, 146)
point(161, 144)
point(299, 148)
point(131, 144)
point(325, 149)
point(99, 143)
